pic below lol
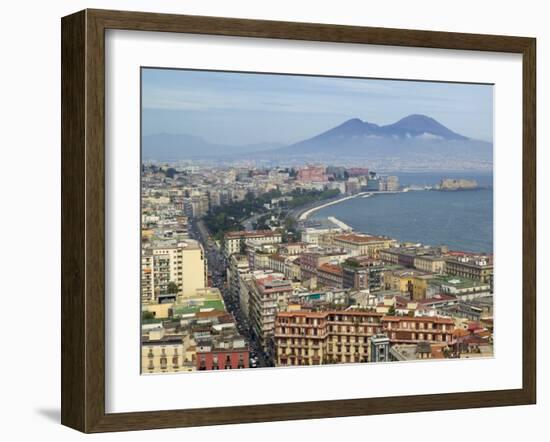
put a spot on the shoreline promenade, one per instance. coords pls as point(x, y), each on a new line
point(305, 214)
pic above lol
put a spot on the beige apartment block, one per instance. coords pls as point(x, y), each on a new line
point(183, 263)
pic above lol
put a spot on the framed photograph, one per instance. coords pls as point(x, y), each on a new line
point(268, 220)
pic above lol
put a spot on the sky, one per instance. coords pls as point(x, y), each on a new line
point(251, 108)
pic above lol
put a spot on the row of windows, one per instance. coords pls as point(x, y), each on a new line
point(163, 363)
point(335, 359)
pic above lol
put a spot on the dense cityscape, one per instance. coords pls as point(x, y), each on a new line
point(236, 274)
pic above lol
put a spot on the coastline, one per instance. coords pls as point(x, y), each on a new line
point(304, 215)
point(307, 212)
point(389, 218)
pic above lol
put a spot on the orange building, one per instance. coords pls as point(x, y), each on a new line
point(343, 336)
point(404, 329)
point(314, 338)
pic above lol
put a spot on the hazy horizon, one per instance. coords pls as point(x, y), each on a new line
point(250, 108)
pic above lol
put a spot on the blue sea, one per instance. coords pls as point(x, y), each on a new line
point(461, 220)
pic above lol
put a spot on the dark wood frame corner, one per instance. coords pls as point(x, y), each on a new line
point(83, 217)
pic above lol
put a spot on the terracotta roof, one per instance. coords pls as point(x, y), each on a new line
point(326, 313)
point(436, 319)
point(302, 314)
point(460, 332)
point(331, 268)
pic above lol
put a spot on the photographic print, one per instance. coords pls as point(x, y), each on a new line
point(299, 220)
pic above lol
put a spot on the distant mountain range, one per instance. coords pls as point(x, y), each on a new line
point(416, 140)
point(165, 147)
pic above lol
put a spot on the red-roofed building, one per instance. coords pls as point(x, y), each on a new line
point(314, 338)
point(403, 329)
point(330, 275)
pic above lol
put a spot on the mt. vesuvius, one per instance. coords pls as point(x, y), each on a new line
point(414, 142)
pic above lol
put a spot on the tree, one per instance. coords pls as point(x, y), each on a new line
point(290, 229)
point(147, 315)
point(172, 287)
point(242, 247)
point(391, 311)
point(352, 263)
point(170, 172)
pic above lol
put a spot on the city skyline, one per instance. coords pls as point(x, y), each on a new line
point(251, 108)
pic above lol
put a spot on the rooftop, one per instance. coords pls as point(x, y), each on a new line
point(458, 282)
point(436, 320)
point(412, 273)
point(359, 239)
point(331, 268)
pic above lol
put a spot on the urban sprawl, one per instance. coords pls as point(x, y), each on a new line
point(234, 274)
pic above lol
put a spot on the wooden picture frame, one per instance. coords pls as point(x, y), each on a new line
point(83, 220)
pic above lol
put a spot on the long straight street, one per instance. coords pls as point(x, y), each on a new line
point(217, 268)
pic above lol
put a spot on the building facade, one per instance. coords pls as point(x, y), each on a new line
point(412, 283)
point(360, 244)
point(403, 329)
point(223, 353)
point(234, 241)
point(330, 275)
point(314, 338)
point(163, 353)
point(477, 267)
point(183, 264)
point(267, 295)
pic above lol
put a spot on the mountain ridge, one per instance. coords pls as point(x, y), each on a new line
point(165, 146)
point(415, 139)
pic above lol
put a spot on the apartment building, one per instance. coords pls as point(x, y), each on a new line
point(478, 267)
point(314, 338)
point(267, 295)
point(233, 241)
point(361, 244)
point(310, 261)
point(413, 283)
point(182, 263)
point(330, 275)
point(404, 329)
point(223, 352)
point(462, 288)
point(312, 174)
point(162, 352)
point(428, 259)
point(362, 273)
point(276, 263)
point(238, 265)
point(147, 290)
point(344, 336)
